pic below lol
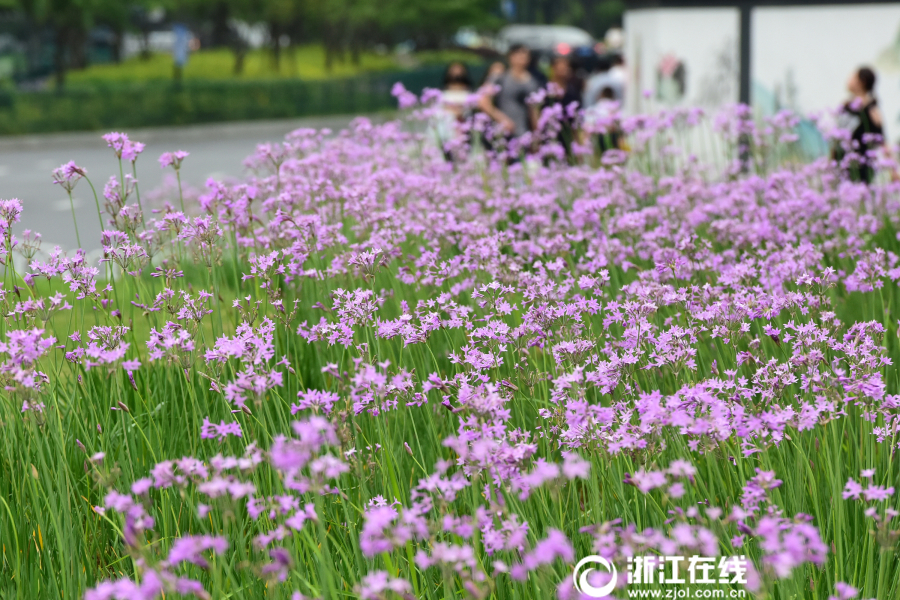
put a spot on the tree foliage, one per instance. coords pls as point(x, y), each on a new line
point(594, 16)
point(343, 27)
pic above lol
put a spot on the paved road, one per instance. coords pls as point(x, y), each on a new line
point(217, 151)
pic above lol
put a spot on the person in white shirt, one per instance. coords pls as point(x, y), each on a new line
point(619, 76)
point(602, 78)
point(456, 90)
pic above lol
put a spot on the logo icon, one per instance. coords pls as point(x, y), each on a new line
point(584, 568)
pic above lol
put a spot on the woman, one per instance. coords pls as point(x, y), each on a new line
point(508, 106)
point(562, 76)
point(456, 89)
point(602, 115)
point(862, 118)
point(565, 89)
point(494, 72)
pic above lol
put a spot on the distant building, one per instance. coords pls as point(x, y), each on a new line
point(773, 54)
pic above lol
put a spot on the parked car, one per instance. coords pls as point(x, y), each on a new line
point(547, 40)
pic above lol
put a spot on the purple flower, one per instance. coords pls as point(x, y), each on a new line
point(877, 493)
point(555, 545)
point(647, 480)
point(23, 349)
point(116, 141)
point(844, 591)
point(67, 175)
point(130, 150)
point(405, 98)
point(377, 535)
point(221, 431)
point(374, 585)
point(126, 589)
point(141, 486)
point(852, 490)
point(172, 159)
point(190, 548)
point(575, 467)
point(10, 212)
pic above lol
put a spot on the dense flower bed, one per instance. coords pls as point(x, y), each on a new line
point(368, 371)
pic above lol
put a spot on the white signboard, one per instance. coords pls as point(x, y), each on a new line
point(681, 57)
point(802, 57)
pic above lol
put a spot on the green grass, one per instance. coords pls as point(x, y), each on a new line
point(139, 93)
point(124, 105)
point(304, 62)
point(53, 544)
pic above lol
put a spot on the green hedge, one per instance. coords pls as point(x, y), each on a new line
point(150, 104)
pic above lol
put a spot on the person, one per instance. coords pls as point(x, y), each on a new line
point(456, 87)
point(862, 118)
point(563, 77)
point(619, 76)
point(602, 78)
point(534, 67)
point(565, 89)
point(494, 71)
point(602, 114)
point(509, 106)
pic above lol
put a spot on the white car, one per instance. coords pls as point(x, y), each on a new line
point(545, 40)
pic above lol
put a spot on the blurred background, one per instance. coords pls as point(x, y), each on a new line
point(94, 64)
point(216, 77)
point(88, 65)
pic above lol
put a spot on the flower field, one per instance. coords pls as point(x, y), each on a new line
point(366, 371)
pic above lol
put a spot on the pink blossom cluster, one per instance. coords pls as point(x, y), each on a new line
point(533, 317)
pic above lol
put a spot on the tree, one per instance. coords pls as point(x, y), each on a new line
point(431, 23)
point(335, 26)
point(354, 24)
point(219, 17)
point(594, 16)
point(115, 15)
point(70, 21)
point(281, 18)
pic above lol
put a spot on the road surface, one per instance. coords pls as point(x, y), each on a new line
point(26, 164)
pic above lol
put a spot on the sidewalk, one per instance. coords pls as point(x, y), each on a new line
point(216, 151)
point(184, 134)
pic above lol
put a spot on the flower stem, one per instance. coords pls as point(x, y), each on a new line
point(74, 220)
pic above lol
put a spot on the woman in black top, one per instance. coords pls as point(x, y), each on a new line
point(862, 118)
point(566, 90)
